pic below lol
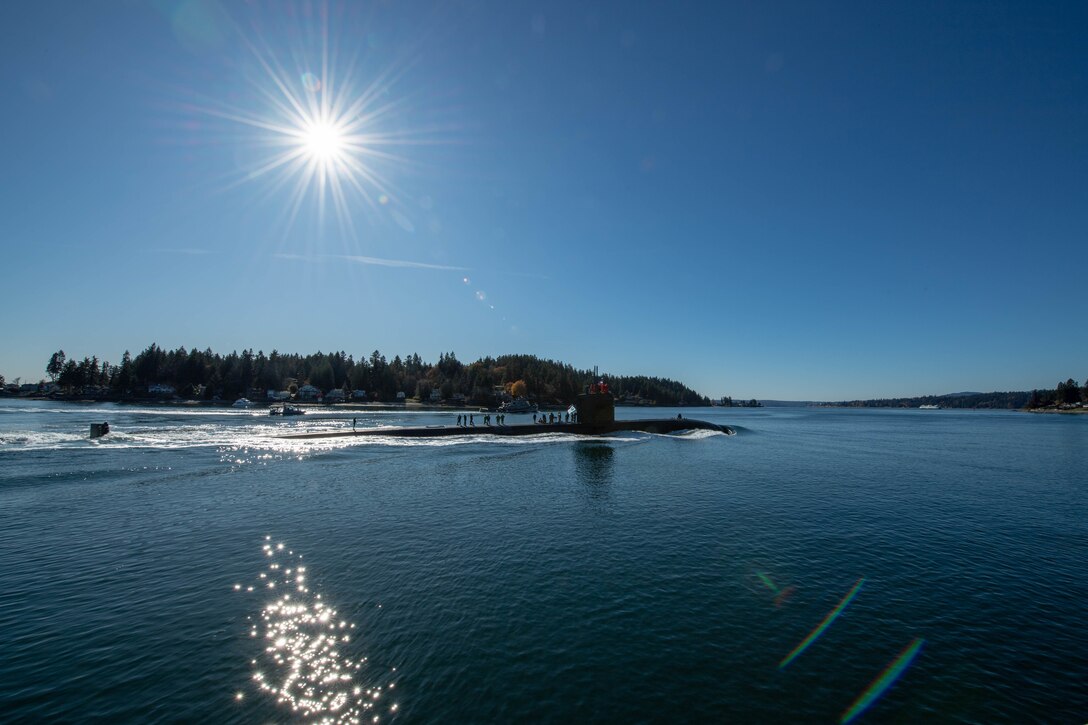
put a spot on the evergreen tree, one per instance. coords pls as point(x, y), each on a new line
point(55, 365)
point(121, 382)
point(322, 378)
point(1068, 392)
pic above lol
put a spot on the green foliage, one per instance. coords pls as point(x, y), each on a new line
point(322, 376)
point(1067, 392)
point(1003, 401)
point(121, 377)
point(55, 365)
point(233, 375)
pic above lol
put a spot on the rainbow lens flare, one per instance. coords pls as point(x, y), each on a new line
point(883, 681)
point(822, 626)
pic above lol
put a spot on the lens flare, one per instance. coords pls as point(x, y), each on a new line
point(317, 126)
point(884, 680)
point(781, 596)
point(822, 626)
point(767, 581)
point(311, 82)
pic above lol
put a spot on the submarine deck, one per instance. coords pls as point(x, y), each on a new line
point(667, 425)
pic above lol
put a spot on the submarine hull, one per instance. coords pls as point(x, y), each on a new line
point(666, 425)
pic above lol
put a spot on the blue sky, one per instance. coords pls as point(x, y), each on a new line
point(774, 200)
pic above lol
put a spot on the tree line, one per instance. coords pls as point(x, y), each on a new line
point(1065, 393)
point(208, 375)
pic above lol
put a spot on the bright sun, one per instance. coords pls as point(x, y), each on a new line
point(323, 141)
point(324, 136)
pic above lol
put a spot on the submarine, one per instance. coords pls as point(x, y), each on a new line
point(596, 415)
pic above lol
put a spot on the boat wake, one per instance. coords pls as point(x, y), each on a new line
point(698, 434)
point(242, 434)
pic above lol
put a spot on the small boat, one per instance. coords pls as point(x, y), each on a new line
point(242, 403)
point(286, 410)
point(929, 407)
point(521, 405)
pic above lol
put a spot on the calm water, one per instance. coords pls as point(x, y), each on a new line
point(633, 579)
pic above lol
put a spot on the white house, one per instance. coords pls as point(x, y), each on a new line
point(308, 392)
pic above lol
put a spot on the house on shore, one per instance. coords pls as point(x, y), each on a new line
point(309, 393)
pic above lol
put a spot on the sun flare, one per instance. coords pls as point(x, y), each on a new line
point(324, 134)
point(323, 141)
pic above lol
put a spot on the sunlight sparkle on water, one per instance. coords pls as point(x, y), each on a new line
point(301, 666)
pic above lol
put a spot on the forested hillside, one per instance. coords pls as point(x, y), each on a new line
point(206, 374)
point(1065, 393)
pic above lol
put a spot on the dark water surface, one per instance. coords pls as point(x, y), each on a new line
point(637, 578)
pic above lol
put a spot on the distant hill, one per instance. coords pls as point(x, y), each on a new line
point(996, 400)
point(1066, 395)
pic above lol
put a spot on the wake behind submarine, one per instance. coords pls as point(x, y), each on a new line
point(596, 416)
